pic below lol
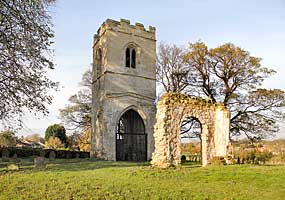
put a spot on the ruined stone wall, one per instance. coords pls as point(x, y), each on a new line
point(171, 110)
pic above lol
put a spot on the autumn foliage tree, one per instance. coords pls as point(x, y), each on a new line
point(226, 74)
point(8, 138)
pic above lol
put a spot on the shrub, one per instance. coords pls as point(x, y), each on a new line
point(42, 153)
point(262, 157)
point(230, 160)
point(7, 152)
point(15, 157)
point(68, 155)
point(54, 143)
point(253, 156)
point(52, 155)
point(218, 160)
point(278, 159)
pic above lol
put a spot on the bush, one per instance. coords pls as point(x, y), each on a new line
point(183, 158)
point(42, 153)
point(218, 160)
point(52, 155)
point(278, 159)
point(54, 143)
point(8, 152)
point(5, 153)
point(253, 156)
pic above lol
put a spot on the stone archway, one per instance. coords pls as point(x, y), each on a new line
point(131, 138)
point(171, 110)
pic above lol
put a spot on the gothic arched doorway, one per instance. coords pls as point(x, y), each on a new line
point(131, 139)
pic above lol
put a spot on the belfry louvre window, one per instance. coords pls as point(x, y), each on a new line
point(130, 57)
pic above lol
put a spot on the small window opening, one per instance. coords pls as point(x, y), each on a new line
point(133, 65)
point(128, 59)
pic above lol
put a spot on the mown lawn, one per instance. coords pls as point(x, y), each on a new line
point(87, 179)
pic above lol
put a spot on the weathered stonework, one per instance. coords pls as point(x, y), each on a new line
point(117, 88)
point(171, 110)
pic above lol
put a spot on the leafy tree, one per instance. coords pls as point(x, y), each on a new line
point(85, 141)
point(25, 40)
point(8, 138)
point(80, 141)
point(57, 131)
point(230, 75)
point(54, 143)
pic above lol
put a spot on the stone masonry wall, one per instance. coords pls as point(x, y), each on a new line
point(117, 88)
point(171, 110)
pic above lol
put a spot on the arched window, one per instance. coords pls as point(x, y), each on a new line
point(133, 64)
point(128, 58)
point(99, 62)
point(131, 57)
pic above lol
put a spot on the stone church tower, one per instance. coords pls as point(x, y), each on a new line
point(124, 91)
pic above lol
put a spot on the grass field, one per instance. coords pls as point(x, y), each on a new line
point(87, 179)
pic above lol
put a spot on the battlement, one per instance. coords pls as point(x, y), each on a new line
point(124, 26)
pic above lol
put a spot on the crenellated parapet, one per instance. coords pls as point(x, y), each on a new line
point(124, 26)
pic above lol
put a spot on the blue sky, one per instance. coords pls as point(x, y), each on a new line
point(258, 26)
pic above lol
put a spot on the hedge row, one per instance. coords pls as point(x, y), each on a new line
point(27, 152)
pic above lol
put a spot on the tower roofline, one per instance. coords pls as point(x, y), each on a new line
point(126, 22)
point(124, 26)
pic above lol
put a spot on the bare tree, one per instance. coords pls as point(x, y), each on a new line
point(171, 71)
point(77, 114)
point(191, 128)
point(230, 75)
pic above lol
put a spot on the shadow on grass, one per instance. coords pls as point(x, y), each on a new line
point(82, 165)
point(61, 165)
point(27, 165)
point(188, 164)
